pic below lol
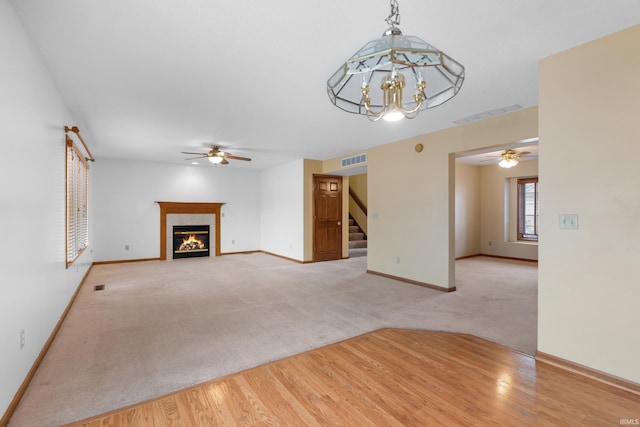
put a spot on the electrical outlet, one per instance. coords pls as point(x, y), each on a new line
point(233, 242)
point(22, 339)
point(398, 260)
point(126, 247)
point(490, 243)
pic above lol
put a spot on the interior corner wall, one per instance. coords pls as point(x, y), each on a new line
point(282, 210)
point(495, 224)
point(467, 210)
point(588, 277)
point(35, 285)
point(127, 217)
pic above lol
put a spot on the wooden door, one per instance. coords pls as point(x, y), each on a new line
point(327, 215)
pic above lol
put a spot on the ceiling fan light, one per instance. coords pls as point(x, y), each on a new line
point(507, 163)
point(509, 159)
point(216, 156)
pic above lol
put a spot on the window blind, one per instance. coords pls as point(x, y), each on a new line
point(77, 195)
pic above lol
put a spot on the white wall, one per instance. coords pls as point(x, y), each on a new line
point(411, 196)
point(282, 220)
point(482, 225)
point(125, 212)
point(495, 222)
point(35, 286)
point(589, 286)
point(467, 208)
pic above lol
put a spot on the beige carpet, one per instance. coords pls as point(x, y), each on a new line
point(160, 326)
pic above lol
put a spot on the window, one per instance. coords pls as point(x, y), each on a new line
point(77, 200)
point(528, 208)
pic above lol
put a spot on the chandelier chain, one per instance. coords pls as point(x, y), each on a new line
point(394, 17)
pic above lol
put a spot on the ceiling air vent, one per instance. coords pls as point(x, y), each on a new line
point(354, 160)
point(488, 114)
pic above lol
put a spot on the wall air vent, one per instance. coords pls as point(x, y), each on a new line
point(354, 160)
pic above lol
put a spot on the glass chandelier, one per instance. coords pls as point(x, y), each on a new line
point(377, 81)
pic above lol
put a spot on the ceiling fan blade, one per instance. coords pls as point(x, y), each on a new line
point(194, 158)
point(224, 162)
point(229, 156)
point(200, 154)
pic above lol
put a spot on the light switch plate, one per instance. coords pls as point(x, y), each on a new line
point(569, 221)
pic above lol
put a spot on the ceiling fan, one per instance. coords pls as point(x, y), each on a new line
point(216, 156)
point(509, 158)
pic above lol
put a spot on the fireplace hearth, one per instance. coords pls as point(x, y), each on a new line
point(190, 241)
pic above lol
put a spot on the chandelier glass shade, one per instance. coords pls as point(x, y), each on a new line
point(508, 159)
point(395, 76)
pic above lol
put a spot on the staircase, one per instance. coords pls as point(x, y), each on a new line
point(357, 240)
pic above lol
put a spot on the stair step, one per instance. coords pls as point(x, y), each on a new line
point(357, 244)
point(354, 229)
point(356, 236)
point(357, 252)
point(351, 222)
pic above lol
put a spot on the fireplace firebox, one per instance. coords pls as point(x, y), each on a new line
point(190, 241)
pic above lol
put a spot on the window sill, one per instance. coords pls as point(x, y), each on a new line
point(525, 242)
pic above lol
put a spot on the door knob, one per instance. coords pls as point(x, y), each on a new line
point(339, 223)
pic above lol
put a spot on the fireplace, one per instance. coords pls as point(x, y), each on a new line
point(184, 213)
point(190, 241)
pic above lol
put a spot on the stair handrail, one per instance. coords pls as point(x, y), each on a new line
point(359, 202)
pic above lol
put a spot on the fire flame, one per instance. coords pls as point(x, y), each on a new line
point(191, 243)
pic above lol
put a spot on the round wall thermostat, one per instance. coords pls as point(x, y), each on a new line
point(419, 148)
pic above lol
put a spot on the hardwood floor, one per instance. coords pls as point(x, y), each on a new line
point(391, 377)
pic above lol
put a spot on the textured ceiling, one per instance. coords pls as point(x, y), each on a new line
point(147, 79)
